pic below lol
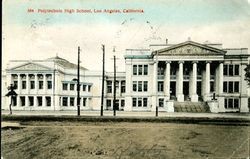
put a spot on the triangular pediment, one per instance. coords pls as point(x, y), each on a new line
point(190, 48)
point(31, 67)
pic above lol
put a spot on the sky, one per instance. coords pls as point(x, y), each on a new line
point(35, 35)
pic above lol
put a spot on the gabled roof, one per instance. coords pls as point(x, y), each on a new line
point(30, 66)
point(203, 48)
point(64, 63)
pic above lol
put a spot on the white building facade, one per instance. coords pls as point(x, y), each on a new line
point(162, 76)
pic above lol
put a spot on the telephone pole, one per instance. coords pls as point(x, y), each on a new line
point(114, 100)
point(78, 83)
point(103, 72)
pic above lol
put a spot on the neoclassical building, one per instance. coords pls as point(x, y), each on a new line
point(171, 77)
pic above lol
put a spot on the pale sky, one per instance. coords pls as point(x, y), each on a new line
point(43, 35)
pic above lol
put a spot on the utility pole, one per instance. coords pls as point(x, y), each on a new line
point(114, 100)
point(156, 111)
point(78, 83)
point(103, 72)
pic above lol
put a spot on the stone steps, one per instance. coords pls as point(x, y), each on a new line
point(192, 107)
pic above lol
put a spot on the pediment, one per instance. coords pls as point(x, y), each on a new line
point(31, 67)
point(190, 49)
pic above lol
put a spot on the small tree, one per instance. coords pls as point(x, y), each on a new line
point(247, 74)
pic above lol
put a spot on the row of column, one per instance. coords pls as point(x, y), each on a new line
point(193, 81)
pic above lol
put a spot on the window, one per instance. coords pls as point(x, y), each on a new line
point(48, 101)
point(139, 69)
point(211, 86)
point(236, 86)
point(139, 86)
point(123, 87)
point(236, 69)
point(231, 103)
point(134, 86)
point(160, 71)
point(108, 103)
point(109, 86)
point(225, 87)
point(84, 87)
point(14, 99)
point(134, 69)
point(23, 84)
point(22, 98)
point(72, 101)
point(39, 101)
point(231, 71)
point(145, 102)
point(160, 86)
point(65, 86)
point(40, 84)
point(32, 84)
point(139, 102)
point(65, 101)
point(231, 86)
point(49, 84)
point(16, 84)
point(145, 70)
point(161, 102)
point(31, 101)
point(145, 86)
point(72, 87)
point(225, 68)
point(84, 102)
point(89, 88)
point(134, 100)
point(122, 103)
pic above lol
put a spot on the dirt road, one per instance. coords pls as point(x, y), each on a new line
point(124, 140)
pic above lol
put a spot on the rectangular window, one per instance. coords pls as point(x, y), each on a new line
point(31, 101)
point(225, 87)
point(236, 87)
point(84, 88)
point(236, 70)
point(139, 69)
point(14, 100)
point(211, 86)
point(134, 69)
point(160, 86)
point(134, 100)
point(49, 84)
point(40, 84)
point(65, 86)
point(230, 87)
point(134, 86)
point(39, 101)
point(16, 84)
point(72, 101)
point(139, 102)
point(225, 103)
point(236, 103)
point(145, 102)
point(89, 88)
point(145, 70)
point(23, 84)
point(72, 87)
point(123, 87)
point(231, 70)
point(122, 103)
point(84, 102)
point(139, 86)
point(145, 86)
point(161, 102)
point(225, 70)
point(230, 103)
point(65, 101)
point(22, 99)
point(32, 84)
point(109, 86)
point(108, 102)
point(48, 101)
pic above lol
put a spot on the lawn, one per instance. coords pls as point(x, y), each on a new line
point(124, 140)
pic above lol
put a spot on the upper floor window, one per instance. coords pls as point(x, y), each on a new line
point(40, 84)
point(231, 70)
point(123, 87)
point(84, 87)
point(160, 86)
point(72, 87)
point(140, 69)
point(109, 86)
point(140, 86)
point(65, 86)
point(23, 84)
point(231, 86)
point(49, 84)
point(32, 84)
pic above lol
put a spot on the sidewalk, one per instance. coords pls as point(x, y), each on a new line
point(130, 114)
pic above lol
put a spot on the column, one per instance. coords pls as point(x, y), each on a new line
point(167, 80)
point(19, 83)
point(36, 83)
point(44, 83)
point(220, 88)
point(44, 101)
point(155, 85)
point(207, 82)
point(35, 101)
point(27, 84)
point(194, 96)
point(27, 101)
point(180, 96)
point(18, 104)
point(220, 78)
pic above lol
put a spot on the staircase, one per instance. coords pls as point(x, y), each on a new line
point(191, 107)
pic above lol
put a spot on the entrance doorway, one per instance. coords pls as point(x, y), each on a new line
point(199, 90)
point(186, 90)
point(173, 90)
